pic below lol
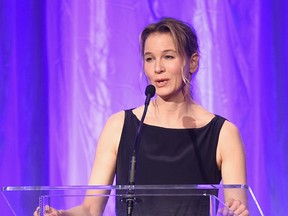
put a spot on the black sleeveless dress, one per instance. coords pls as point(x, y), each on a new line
point(168, 156)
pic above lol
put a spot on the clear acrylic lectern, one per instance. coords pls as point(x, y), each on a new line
point(166, 200)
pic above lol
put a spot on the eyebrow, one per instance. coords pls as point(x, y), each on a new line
point(164, 51)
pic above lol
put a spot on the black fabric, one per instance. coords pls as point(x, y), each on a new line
point(168, 156)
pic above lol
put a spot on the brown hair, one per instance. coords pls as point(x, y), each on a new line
point(184, 35)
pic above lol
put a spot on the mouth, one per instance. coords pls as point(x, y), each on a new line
point(161, 82)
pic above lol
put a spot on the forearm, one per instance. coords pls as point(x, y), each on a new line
point(92, 206)
point(76, 211)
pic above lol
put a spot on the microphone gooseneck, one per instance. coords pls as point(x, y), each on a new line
point(130, 200)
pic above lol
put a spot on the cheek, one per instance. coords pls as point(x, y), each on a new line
point(177, 71)
point(148, 70)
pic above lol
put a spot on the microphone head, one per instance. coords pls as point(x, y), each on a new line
point(150, 90)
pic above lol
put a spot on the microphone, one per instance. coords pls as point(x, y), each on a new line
point(149, 92)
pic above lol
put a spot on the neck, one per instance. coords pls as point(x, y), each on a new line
point(171, 113)
point(171, 106)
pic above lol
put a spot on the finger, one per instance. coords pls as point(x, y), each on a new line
point(230, 213)
point(235, 205)
point(241, 208)
point(244, 213)
point(220, 211)
point(47, 209)
point(36, 212)
point(225, 211)
point(230, 202)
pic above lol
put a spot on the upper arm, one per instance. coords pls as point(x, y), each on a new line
point(231, 157)
point(103, 169)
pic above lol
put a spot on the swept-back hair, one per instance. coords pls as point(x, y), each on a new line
point(184, 35)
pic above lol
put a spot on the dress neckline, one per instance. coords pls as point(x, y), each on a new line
point(159, 127)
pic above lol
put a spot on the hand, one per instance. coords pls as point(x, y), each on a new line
point(49, 211)
point(234, 208)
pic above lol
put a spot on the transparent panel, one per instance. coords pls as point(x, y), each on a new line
point(198, 200)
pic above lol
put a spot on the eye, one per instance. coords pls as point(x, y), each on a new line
point(148, 59)
point(169, 57)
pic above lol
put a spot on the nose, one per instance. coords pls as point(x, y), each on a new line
point(158, 67)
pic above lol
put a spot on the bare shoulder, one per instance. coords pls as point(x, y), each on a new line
point(230, 132)
point(114, 125)
point(230, 142)
point(230, 127)
point(116, 119)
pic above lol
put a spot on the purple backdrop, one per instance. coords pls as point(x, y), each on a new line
point(65, 66)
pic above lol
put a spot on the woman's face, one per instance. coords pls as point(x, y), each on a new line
point(163, 66)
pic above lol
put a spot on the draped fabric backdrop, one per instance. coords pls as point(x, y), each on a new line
point(65, 66)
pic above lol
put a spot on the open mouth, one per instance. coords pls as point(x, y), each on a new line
point(161, 82)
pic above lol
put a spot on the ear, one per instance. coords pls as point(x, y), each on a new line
point(194, 62)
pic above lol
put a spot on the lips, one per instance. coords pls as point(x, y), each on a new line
point(161, 82)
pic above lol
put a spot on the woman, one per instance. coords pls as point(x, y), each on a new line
point(182, 143)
